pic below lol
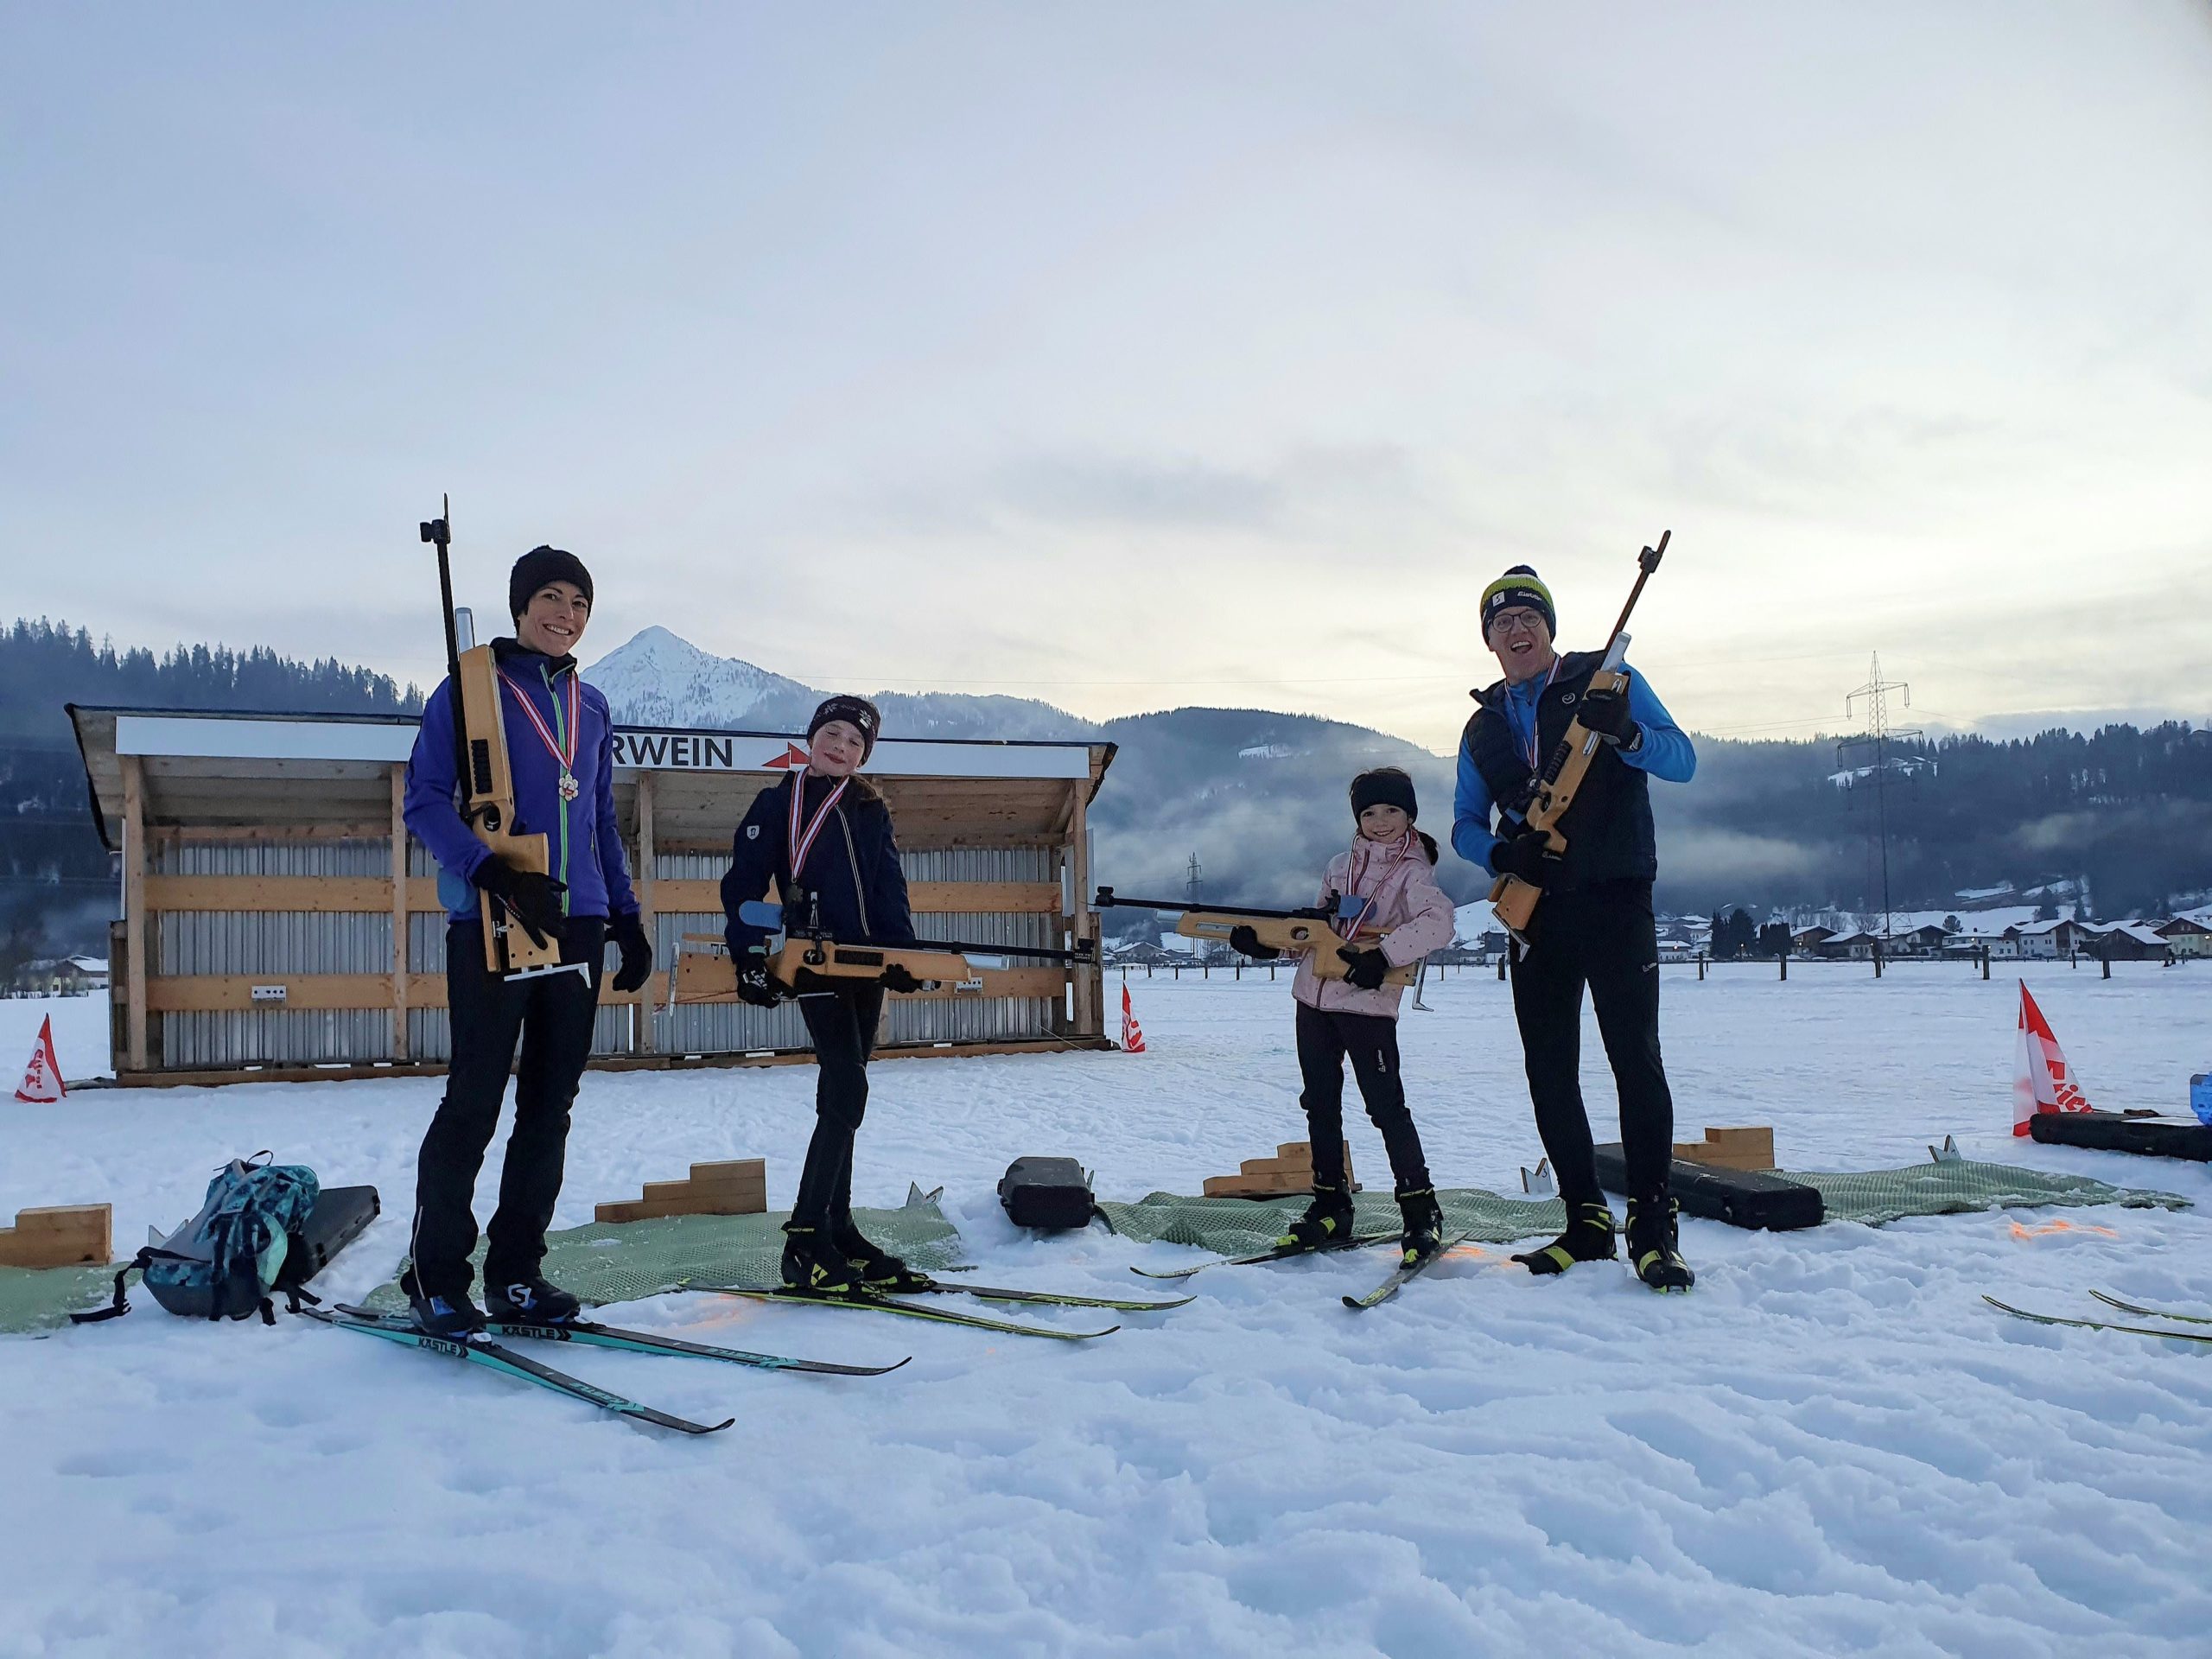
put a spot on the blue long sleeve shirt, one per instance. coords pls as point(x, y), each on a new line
point(1665, 752)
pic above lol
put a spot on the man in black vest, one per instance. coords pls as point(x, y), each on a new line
point(1594, 926)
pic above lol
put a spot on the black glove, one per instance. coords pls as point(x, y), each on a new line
point(1364, 969)
point(1245, 942)
point(532, 897)
point(1605, 713)
point(755, 986)
point(897, 978)
point(629, 932)
point(1528, 855)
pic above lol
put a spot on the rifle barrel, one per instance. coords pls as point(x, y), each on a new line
point(1211, 909)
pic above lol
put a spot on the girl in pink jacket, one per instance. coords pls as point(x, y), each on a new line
point(1390, 870)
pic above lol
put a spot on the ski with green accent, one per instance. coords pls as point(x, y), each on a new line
point(477, 1351)
point(1404, 1273)
point(908, 1309)
point(1279, 1253)
point(2149, 1312)
point(2099, 1325)
point(1041, 1298)
point(584, 1333)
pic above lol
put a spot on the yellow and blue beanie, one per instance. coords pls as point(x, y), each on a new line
point(1519, 586)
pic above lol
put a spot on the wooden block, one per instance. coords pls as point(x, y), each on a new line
point(664, 1191)
point(740, 1170)
point(1296, 1152)
point(63, 1218)
point(617, 1213)
point(735, 1184)
point(1260, 1168)
point(731, 1203)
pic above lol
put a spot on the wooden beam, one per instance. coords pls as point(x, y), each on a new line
point(134, 911)
point(321, 894)
point(1090, 978)
point(642, 880)
point(233, 993)
point(399, 912)
point(925, 898)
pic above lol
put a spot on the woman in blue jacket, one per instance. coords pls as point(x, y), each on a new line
point(824, 835)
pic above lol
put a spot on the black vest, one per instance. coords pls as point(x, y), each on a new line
point(1608, 830)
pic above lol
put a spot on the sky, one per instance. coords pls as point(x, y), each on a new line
point(1139, 355)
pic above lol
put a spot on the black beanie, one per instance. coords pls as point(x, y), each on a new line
point(536, 568)
point(1519, 586)
point(858, 712)
point(1385, 786)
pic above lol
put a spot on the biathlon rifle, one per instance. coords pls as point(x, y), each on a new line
point(1291, 931)
point(705, 971)
point(1513, 898)
point(487, 786)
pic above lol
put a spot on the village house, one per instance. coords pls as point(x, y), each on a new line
point(2186, 938)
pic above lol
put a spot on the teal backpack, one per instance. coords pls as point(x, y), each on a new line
point(224, 1262)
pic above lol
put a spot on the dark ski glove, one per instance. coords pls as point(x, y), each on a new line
point(532, 899)
point(1245, 942)
point(1528, 855)
point(755, 986)
point(1606, 714)
point(896, 977)
point(629, 932)
point(1364, 969)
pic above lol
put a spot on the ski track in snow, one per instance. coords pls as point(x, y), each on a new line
point(1830, 1447)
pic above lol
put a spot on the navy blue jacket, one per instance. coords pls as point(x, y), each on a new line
point(852, 868)
point(1608, 829)
point(583, 839)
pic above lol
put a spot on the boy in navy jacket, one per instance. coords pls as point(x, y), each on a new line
point(560, 749)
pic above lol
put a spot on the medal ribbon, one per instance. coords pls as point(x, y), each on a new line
point(801, 842)
point(566, 757)
point(1358, 870)
point(1536, 724)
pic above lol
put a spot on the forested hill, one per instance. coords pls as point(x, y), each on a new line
point(1259, 799)
point(55, 890)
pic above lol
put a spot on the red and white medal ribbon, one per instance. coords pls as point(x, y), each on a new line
point(801, 842)
point(1356, 875)
point(566, 758)
point(1534, 750)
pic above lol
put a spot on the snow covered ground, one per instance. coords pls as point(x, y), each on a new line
point(1831, 1446)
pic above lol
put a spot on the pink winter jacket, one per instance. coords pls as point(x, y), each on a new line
point(1411, 911)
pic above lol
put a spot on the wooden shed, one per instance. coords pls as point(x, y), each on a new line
point(264, 933)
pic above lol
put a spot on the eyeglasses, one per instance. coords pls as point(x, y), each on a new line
point(1517, 621)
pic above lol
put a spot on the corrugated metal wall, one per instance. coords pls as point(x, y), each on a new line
point(284, 942)
point(275, 943)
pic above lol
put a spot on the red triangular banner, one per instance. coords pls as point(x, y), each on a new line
point(792, 756)
point(2041, 1081)
point(42, 1083)
point(1132, 1032)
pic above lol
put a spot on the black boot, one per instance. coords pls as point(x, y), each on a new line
point(530, 1301)
point(875, 1268)
point(1588, 1237)
point(812, 1262)
point(1327, 1220)
point(1424, 1223)
point(1652, 1245)
point(455, 1317)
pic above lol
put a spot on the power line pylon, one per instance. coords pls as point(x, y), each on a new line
point(1876, 740)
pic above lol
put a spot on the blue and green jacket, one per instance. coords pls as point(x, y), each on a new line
point(583, 838)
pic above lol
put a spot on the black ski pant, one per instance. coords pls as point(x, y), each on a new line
point(1324, 1040)
point(551, 1016)
point(1602, 936)
point(841, 1023)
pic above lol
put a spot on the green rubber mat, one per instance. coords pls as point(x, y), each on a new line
point(1245, 1226)
point(40, 1299)
point(606, 1262)
point(1961, 1185)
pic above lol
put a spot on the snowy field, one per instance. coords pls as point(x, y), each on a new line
point(1830, 1447)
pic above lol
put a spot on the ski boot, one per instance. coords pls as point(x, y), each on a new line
point(874, 1268)
point(1588, 1237)
point(456, 1317)
point(1651, 1246)
point(1327, 1220)
point(813, 1263)
point(530, 1301)
point(1424, 1224)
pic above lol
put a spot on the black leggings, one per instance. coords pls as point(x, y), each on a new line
point(551, 1016)
point(1603, 936)
point(842, 1024)
point(1325, 1039)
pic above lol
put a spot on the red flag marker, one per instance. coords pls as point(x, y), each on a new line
point(2041, 1081)
point(42, 1083)
point(1132, 1032)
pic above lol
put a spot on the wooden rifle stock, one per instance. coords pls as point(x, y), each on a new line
point(1512, 899)
point(1293, 932)
point(487, 788)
